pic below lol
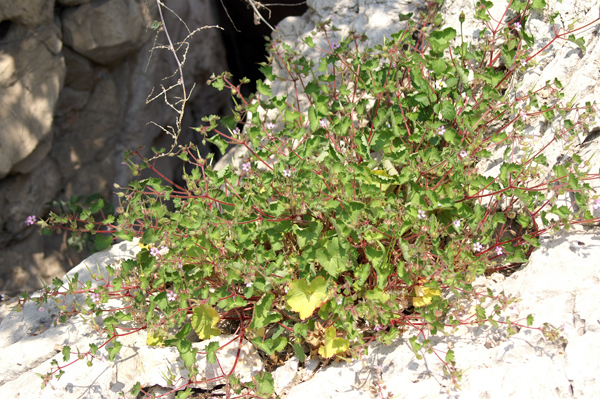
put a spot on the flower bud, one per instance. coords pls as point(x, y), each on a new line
point(461, 17)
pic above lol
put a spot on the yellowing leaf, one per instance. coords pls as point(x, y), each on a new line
point(153, 339)
point(423, 296)
point(304, 299)
point(380, 173)
point(204, 321)
point(333, 346)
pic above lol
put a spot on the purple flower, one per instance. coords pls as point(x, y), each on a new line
point(335, 45)
point(246, 167)
point(463, 154)
point(441, 130)
point(477, 247)
point(270, 125)
point(422, 215)
point(499, 250)
point(517, 26)
point(323, 123)
point(30, 221)
point(596, 204)
point(171, 296)
point(456, 224)
point(522, 115)
point(96, 298)
point(378, 327)
point(154, 251)
point(180, 266)
point(235, 131)
point(287, 173)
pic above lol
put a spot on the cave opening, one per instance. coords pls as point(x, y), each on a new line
point(244, 33)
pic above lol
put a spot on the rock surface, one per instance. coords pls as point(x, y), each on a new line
point(559, 286)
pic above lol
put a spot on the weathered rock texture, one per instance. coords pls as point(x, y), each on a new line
point(559, 286)
point(74, 79)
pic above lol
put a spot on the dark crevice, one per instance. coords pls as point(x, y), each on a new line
point(5, 28)
point(245, 42)
point(593, 135)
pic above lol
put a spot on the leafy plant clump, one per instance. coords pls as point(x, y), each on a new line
point(359, 212)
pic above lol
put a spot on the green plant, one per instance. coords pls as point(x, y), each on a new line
point(359, 208)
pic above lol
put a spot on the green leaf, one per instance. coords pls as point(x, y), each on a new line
point(450, 356)
point(405, 17)
point(263, 88)
point(113, 350)
point(267, 70)
point(304, 298)
point(102, 242)
point(187, 354)
point(299, 351)
point(96, 206)
point(538, 4)
point(579, 42)
point(264, 385)
point(270, 346)
point(312, 118)
point(334, 258)
point(448, 111)
point(204, 321)
point(137, 386)
point(439, 40)
point(219, 142)
point(378, 295)
point(333, 345)
point(66, 352)
point(263, 316)
point(211, 352)
point(309, 41)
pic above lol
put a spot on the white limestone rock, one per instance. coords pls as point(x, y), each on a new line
point(29, 343)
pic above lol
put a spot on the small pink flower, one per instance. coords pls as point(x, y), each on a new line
point(246, 167)
point(499, 250)
point(154, 251)
point(517, 26)
point(456, 224)
point(477, 247)
point(287, 173)
point(30, 221)
point(522, 115)
point(596, 204)
point(323, 123)
point(441, 130)
point(96, 298)
point(171, 296)
point(270, 125)
point(422, 215)
point(335, 45)
point(463, 154)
